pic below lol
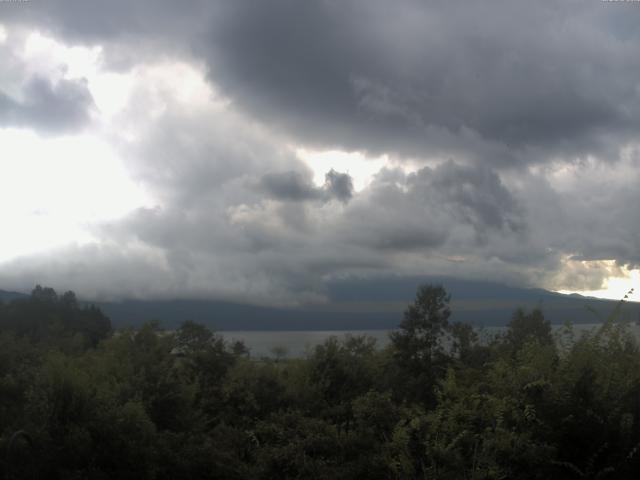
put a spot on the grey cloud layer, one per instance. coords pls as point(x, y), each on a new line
point(514, 112)
point(295, 186)
point(46, 106)
point(369, 75)
point(36, 100)
point(536, 79)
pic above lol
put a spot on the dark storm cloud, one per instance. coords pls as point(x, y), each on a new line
point(366, 74)
point(410, 77)
point(474, 194)
point(95, 21)
point(47, 106)
point(295, 186)
point(290, 186)
point(339, 185)
point(420, 211)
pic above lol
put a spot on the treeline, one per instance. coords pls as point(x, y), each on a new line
point(80, 401)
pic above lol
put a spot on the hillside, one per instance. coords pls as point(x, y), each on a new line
point(369, 304)
point(357, 304)
point(8, 296)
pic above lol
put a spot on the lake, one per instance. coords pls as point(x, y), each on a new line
point(297, 343)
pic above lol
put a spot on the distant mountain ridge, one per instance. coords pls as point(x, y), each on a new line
point(6, 296)
point(365, 304)
point(370, 304)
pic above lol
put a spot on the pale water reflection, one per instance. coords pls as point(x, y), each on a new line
point(298, 343)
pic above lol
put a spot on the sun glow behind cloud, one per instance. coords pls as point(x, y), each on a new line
point(45, 53)
point(52, 189)
point(616, 286)
point(55, 189)
point(110, 90)
point(356, 164)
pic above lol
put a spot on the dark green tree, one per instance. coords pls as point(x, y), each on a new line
point(527, 327)
point(417, 345)
point(44, 294)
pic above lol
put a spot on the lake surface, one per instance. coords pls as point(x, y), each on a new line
point(298, 343)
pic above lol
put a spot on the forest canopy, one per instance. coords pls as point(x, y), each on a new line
point(79, 400)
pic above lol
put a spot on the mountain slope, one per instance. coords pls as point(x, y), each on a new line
point(371, 304)
point(364, 304)
point(8, 296)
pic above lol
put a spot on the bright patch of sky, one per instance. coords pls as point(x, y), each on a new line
point(621, 281)
point(52, 189)
point(45, 54)
point(361, 168)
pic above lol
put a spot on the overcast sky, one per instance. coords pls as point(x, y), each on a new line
point(256, 150)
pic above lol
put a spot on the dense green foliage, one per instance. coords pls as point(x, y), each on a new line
point(80, 401)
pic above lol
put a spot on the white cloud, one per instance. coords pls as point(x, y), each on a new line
point(49, 56)
point(53, 189)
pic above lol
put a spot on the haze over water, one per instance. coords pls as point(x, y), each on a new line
point(298, 343)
